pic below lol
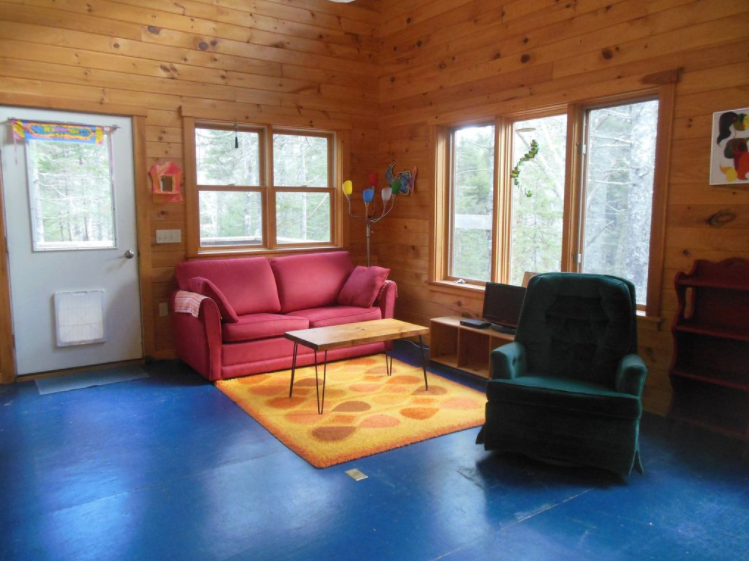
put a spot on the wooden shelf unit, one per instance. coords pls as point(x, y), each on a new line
point(464, 348)
point(709, 373)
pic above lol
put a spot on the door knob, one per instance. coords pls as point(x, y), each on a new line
point(129, 254)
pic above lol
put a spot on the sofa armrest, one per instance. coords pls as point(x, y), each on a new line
point(386, 299)
point(508, 361)
point(630, 375)
point(198, 339)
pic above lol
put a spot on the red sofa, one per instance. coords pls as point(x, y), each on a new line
point(270, 297)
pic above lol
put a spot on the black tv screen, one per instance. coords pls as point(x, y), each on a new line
point(502, 303)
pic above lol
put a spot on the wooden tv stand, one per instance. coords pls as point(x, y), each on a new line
point(464, 348)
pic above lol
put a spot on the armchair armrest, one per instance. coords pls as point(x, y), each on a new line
point(630, 375)
point(508, 361)
point(197, 340)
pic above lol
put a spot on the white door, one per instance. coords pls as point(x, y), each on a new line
point(70, 220)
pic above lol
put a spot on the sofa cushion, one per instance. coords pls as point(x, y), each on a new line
point(248, 283)
point(261, 326)
point(338, 315)
point(363, 286)
point(311, 280)
point(207, 288)
point(564, 394)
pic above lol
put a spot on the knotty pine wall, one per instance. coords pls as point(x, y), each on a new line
point(386, 70)
point(293, 62)
point(445, 60)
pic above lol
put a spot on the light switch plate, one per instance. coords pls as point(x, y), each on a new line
point(169, 236)
point(163, 309)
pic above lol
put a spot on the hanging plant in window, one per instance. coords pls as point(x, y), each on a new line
point(515, 173)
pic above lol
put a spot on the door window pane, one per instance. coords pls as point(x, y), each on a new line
point(472, 191)
point(538, 200)
point(229, 218)
point(619, 191)
point(70, 193)
point(302, 217)
point(226, 157)
point(300, 161)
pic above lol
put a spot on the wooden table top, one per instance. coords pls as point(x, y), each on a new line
point(350, 334)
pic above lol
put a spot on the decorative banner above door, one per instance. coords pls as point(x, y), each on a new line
point(58, 132)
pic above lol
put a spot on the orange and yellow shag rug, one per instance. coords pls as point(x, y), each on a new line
point(366, 411)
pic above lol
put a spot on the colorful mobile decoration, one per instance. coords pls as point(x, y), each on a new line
point(58, 132)
point(515, 173)
point(730, 153)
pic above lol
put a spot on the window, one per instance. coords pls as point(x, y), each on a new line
point(472, 208)
point(260, 187)
point(538, 200)
point(568, 189)
point(619, 165)
point(70, 189)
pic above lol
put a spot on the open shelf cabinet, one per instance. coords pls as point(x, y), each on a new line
point(464, 348)
point(710, 367)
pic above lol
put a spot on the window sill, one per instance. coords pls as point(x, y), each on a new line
point(451, 287)
point(642, 316)
point(245, 252)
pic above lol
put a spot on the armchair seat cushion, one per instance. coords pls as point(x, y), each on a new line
point(338, 315)
point(261, 326)
point(566, 394)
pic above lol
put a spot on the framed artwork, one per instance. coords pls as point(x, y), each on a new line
point(729, 157)
point(166, 179)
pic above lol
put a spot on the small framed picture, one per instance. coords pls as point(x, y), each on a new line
point(729, 157)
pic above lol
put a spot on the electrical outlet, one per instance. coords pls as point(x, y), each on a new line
point(169, 236)
point(163, 309)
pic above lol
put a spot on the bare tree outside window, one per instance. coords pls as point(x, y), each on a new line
point(538, 202)
point(70, 195)
point(472, 182)
point(620, 167)
point(231, 159)
point(301, 161)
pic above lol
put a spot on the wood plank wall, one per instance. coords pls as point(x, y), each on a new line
point(446, 60)
point(292, 62)
point(386, 70)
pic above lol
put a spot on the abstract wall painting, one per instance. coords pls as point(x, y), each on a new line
point(729, 157)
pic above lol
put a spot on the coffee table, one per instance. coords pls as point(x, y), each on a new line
point(350, 334)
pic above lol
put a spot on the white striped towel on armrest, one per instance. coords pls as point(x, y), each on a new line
point(188, 302)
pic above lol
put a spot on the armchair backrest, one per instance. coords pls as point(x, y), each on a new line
point(578, 326)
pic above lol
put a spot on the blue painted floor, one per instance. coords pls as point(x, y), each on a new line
point(169, 468)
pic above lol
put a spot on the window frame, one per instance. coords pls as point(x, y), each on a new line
point(266, 188)
point(449, 175)
point(273, 189)
point(573, 212)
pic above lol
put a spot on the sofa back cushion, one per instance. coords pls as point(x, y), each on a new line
point(311, 280)
point(247, 284)
point(363, 286)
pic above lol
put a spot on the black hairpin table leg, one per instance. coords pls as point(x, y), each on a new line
point(423, 363)
point(293, 369)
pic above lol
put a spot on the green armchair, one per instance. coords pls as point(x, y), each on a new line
point(570, 387)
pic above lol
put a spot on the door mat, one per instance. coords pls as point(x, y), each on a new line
point(366, 411)
point(67, 382)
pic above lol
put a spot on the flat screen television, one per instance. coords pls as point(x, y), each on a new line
point(502, 303)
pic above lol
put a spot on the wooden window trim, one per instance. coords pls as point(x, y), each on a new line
point(338, 165)
point(446, 162)
point(661, 86)
point(665, 95)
